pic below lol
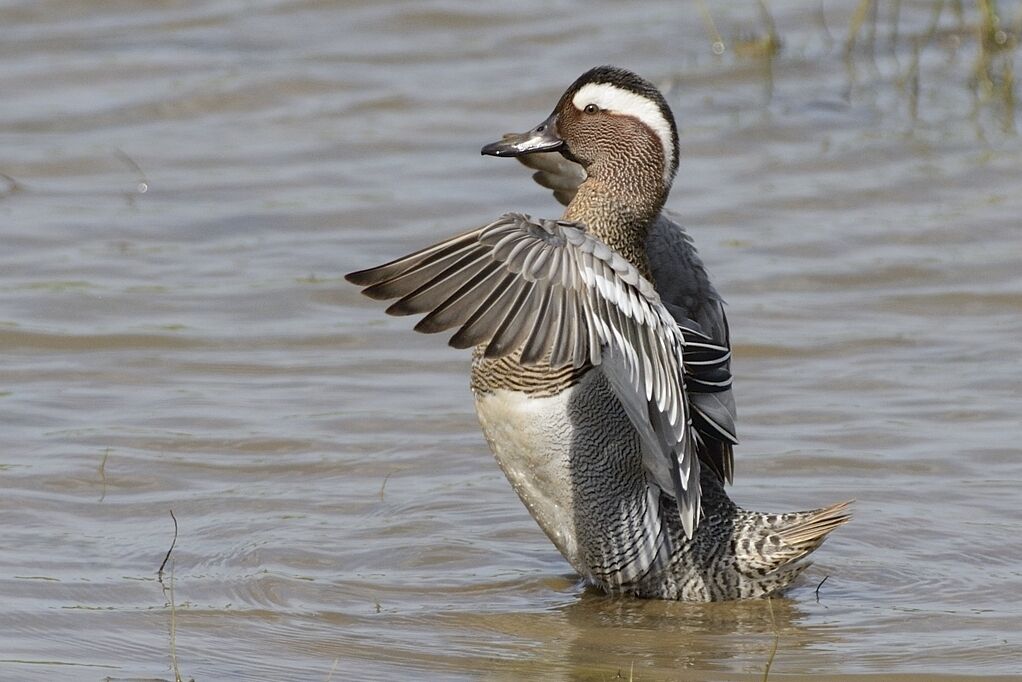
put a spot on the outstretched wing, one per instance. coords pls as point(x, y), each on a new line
point(556, 173)
point(549, 292)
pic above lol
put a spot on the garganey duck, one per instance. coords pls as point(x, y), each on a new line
point(601, 365)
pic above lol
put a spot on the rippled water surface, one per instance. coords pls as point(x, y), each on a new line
point(183, 185)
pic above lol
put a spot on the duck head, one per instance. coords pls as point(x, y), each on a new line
point(613, 122)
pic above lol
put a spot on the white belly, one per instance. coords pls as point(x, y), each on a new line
point(575, 461)
point(531, 440)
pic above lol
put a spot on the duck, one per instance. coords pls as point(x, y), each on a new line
point(601, 359)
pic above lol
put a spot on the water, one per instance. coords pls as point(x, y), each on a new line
point(192, 347)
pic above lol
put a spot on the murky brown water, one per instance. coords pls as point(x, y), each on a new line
point(193, 347)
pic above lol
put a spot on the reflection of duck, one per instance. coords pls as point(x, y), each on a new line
point(598, 635)
point(605, 398)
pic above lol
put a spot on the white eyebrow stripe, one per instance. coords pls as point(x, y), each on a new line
point(627, 103)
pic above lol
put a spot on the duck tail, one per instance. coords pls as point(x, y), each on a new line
point(804, 534)
point(772, 561)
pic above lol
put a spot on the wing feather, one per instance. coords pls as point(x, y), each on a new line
point(686, 290)
point(562, 345)
point(550, 292)
point(516, 327)
point(557, 173)
point(434, 291)
point(478, 328)
point(462, 303)
point(411, 263)
point(538, 342)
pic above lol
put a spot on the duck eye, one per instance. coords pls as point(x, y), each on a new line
point(591, 109)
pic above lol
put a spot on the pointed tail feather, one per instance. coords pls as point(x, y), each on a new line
point(780, 553)
point(809, 532)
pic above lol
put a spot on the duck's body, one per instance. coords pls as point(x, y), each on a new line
point(601, 373)
point(572, 455)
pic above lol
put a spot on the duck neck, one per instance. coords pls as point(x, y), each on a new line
point(619, 208)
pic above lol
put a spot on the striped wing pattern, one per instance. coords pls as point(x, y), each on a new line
point(550, 292)
point(685, 289)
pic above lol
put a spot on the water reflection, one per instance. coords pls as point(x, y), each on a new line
point(660, 637)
